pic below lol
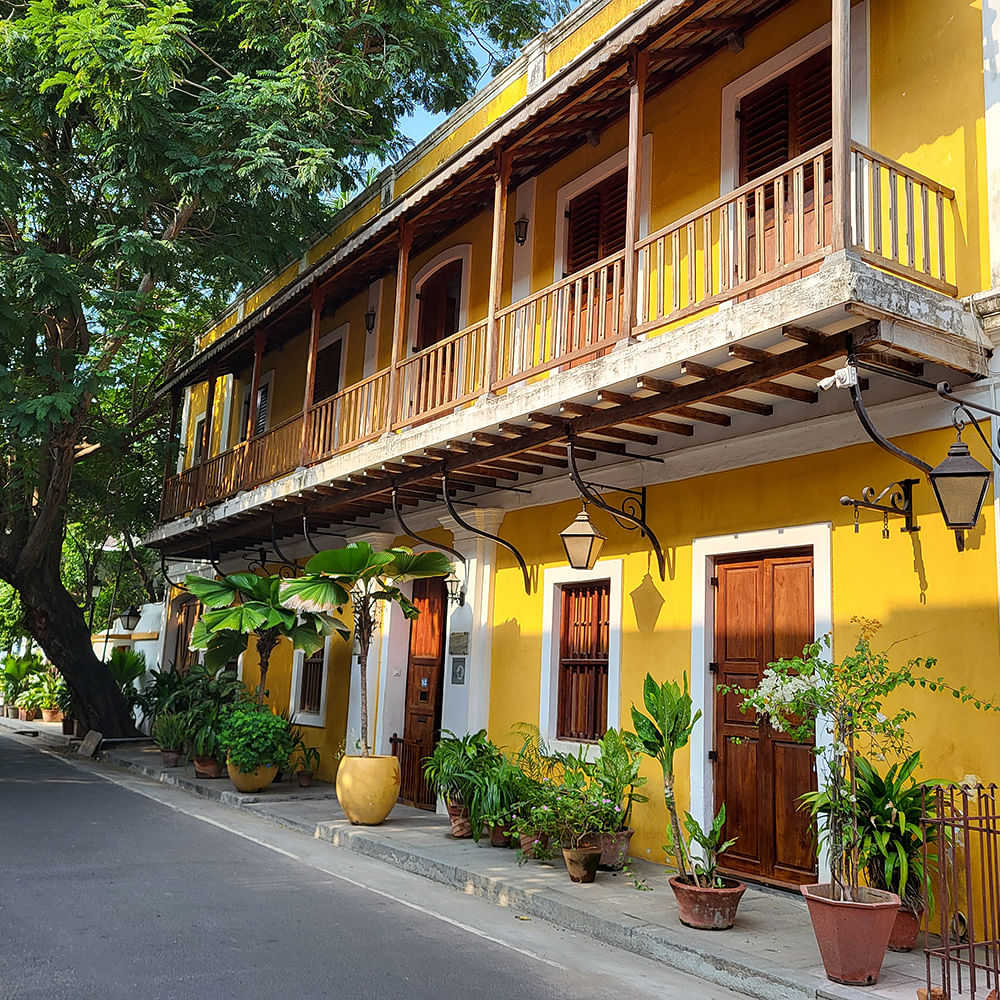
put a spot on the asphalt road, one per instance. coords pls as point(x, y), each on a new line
point(113, 888)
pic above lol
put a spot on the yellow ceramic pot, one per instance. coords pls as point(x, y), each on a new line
point(367, 788)
point(251, 781)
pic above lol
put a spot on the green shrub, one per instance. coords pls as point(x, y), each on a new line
point(170, 731)
point(253, 737)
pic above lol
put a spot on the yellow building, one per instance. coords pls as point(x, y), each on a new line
point(619, 272)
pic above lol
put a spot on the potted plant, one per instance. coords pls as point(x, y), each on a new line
point(499, 798)
point(616, 773)
point(17, 672)
point(28, 702)
point(665, 730)
point(242, 605)
point(852, 922)
point(457, 770)
point(170, 732)
point(205, 751)
point(256, 742)
point(365, 580)
point(308, 764)
point(893, 840)
point(49, 686)
point(66, 707)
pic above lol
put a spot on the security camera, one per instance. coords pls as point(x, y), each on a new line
point(842, 378)
point(827, 383)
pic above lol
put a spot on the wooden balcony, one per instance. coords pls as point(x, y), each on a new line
point(755, 239)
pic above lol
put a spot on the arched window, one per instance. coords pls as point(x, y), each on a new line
point(439, 305)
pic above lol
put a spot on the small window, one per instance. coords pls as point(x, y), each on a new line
point(583, 661)
point(786, 117)
point(263, 405)
point(596, 226)
point(188, 612)
point(328, 361)
point(308, 702)
point(440, 302)
point(199, 440)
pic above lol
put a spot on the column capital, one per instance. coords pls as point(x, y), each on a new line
point(378, 540)
point(487, 518)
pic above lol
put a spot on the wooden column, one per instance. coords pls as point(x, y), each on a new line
point(841, 99)
point(206, 440)
point(175, 406)
point(258, 360)
point(638, 62)
point(501, 184)
point(399, 323)
point(310, 386)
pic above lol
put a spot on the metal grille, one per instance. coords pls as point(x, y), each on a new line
point(583, 661)
point(413, 789)
point(311, 684)
point(963, 827)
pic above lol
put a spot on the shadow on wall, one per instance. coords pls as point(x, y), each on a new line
point(647, 602)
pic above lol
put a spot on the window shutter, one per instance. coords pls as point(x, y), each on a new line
point(311, 682)
point(327, 371)
point(597, 222)
point(263, 400)
point(786, 117)
point(583, 661)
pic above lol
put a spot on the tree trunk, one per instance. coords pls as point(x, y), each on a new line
point(57, 624)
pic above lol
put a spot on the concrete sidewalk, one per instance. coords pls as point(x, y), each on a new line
point(770, 953)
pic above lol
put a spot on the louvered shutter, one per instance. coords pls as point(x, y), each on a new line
point(263, 400)
point(786, 117)
point(597, 222)
point(583, 661)
point(327, 371)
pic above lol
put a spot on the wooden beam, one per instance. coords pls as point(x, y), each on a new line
point(638, 63)
point(764, 385)
point(840, 23)
point(691, 412)
point(497, 472)
point(501, 182)
point(654, 423)
point(461, 476)
point(595, 444)
point(914, 368)
point(743, 405)
point(516, 465)
point(746, 353)
point(316, 313)
point(399, 325)
point(802, 334)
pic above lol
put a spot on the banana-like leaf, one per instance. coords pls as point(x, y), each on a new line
point(408, 565)
point(200, 635)
point(315, 593)
point(211, 593)
point(243, 618)
point(224, 647)
point(307, 639)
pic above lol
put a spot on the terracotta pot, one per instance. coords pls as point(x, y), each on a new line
point(614, 850)
point(171, 758)
point(461, 825)
point(51, 715)
point(368, 787)
point(852, 937)
point(499, 837)
point(707, 909)
point(11, 711)
point(530, 843)
point(905, 929)
point(68, 726)
point(26, 714)
point(582, 862)
point(251, 781)
point(207, 767)
point(305, 778)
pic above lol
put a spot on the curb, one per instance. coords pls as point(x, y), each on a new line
point(697, 953)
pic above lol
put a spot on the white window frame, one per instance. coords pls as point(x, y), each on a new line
point(553, 580)
point(267, 378)
point(704, 554)
point(595, 175)
point(198, 435)
point(462, 252)
point(781, 63)
point(316, 720)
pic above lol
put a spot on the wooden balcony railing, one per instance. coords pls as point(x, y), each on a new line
point(442, 376)
point(349, 418)
point(902, 220)
point(571, 320)
point(759, 236)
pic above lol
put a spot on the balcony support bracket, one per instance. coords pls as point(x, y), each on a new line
point(409, 531)
point(630, 513)
point(459, 520)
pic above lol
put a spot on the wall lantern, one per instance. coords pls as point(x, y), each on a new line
point(521, 230)
point(456, 593)
point(370, 321)
point(960, 484)
point(582, 541)
point(129, 619)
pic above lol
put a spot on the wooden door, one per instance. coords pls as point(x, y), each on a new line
point(763, 611)
point(424, 684)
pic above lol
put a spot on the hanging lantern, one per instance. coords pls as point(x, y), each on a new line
point(129, 619)
point(960, 484)
point(370, 321)
point(456, 594)
point(582, 541)
point(521, 230)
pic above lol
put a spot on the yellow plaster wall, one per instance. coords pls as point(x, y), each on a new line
point(931, 599)
point(196, 408)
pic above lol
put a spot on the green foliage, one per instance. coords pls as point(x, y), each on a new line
point(573, 816)
point(201, 699)
point(253, 737)
point(170, 731)
point(358, 575)
point(17, 674)
point(616, 770)
point(852, 698)
point(242, 605)
point(712, 845)
point(50, 689)
point(307, 757)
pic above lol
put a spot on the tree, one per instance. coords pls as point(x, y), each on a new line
point(145, 152)
point(365, 579)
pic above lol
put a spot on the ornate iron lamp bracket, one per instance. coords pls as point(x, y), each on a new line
point(308, 536)
point(163, 573)
point(420, 538)
point(458, 519)
point(212, 557)
point(630, 514)
point(288, 567)
point(899, 502)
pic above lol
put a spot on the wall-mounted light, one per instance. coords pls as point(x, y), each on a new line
point(521, 230)
point(456, 593)
point(960, 484)
point(370, 321)
point(129, 619)
point(582, 541)
point(735, 42)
